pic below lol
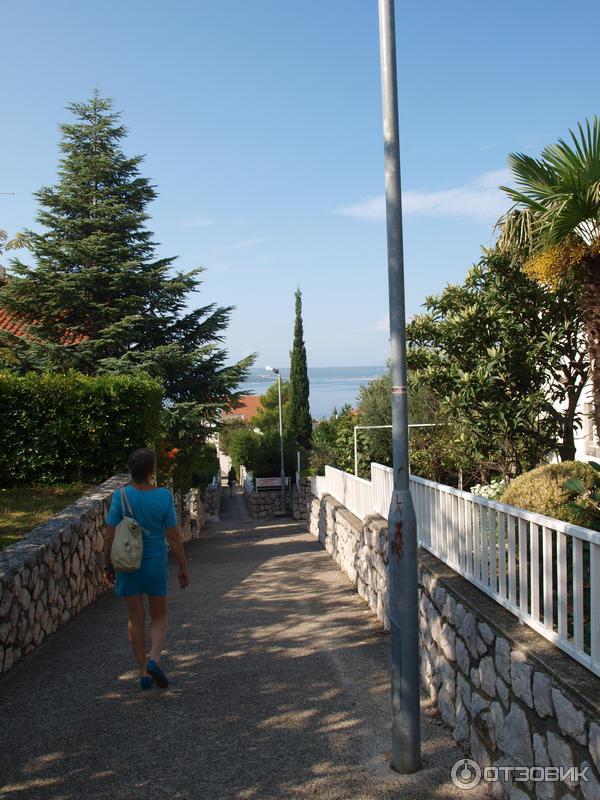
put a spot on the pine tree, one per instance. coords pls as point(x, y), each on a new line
point(299, 420)
point(98, 299)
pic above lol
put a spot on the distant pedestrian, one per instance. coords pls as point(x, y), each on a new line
point(231, 478)
point(154, 511)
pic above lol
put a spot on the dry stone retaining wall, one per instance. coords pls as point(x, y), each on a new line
point(509, 697)
point(56, 570)
point(211, 497)
point(191, 513)
point(267, 504)
point(301, 498)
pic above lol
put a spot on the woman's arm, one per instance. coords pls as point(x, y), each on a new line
point(176, 545)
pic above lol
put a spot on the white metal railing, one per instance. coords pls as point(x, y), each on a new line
point(356, 494)
point(382, 479)
point(545, 571)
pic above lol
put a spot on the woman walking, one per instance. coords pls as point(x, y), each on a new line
point(154, 511)
point(231, 478)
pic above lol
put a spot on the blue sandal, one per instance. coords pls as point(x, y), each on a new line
point(146, 682)
point(159, 676)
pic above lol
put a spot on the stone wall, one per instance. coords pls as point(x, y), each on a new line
point(211, 497)
point(507, 694)
point(191, 514)
point(56, 570)
point(301, 498)
point(266, 504)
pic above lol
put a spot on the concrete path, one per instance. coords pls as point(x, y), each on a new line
point(279, 689)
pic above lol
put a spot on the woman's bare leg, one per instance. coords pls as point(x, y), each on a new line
point(158, 613)
point(136, 627)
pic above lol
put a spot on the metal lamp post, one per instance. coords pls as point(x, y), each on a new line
point(402, 528)
point(278, 373)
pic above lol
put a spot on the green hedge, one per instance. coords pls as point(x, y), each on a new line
point(195, 467)
point(61, 428)
point(261, 453)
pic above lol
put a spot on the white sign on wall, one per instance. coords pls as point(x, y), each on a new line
point(266, 484)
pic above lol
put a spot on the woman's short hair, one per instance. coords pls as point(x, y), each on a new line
point(141, 464)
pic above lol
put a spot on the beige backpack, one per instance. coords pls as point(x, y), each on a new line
point(127, 546)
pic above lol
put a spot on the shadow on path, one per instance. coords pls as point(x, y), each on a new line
point(279, 689)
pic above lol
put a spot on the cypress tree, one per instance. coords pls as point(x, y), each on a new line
point(98, 299)
point(299, 420)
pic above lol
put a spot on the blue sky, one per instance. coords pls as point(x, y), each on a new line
point(261, 125)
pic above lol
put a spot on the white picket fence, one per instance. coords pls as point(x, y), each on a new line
point(354, 493)
point(545, 571)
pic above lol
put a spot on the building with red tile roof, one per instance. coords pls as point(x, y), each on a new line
point(248, 407)
point(10, 323)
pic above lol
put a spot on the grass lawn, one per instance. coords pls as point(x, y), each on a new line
point(24, 507)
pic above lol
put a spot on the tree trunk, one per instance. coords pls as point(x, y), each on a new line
point(591, 322)
point(566, 449)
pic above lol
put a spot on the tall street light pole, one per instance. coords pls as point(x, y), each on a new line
point(278, 373)
point(402, 528)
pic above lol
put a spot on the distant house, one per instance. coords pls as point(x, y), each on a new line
point(248, 407)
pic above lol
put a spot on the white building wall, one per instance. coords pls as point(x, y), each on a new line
point(586, 440)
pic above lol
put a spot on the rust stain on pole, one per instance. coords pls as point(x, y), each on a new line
point(398, 543)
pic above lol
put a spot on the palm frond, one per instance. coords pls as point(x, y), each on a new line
point(560, 191)
point(515, 231)
point(535, 177)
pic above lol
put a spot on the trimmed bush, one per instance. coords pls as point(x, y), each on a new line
point(71, 427)
point(542, 489)
point(261, 453)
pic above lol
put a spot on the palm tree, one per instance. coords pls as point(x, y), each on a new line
point(555, 224)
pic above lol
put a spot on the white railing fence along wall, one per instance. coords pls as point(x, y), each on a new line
point(356, 494)
point(545, 571)
point(382, 479)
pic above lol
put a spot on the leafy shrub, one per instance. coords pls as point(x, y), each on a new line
point(63, 428)
point(229, 428)
point(267, 458)
point(242, 446)
point(543, 489)
point(195, 466)
point(434, 455)
point(261, 453)
point(319, 458)
point(584, 503)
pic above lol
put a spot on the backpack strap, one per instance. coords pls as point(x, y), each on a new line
point(125, 504)
point(126, 507)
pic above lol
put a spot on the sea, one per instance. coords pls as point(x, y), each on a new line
point(330, 387)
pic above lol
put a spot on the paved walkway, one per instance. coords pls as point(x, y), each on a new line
point(279, 690)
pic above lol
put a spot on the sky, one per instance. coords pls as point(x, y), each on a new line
point(260, 122)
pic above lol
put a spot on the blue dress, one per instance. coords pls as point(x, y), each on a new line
point(154, 511)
